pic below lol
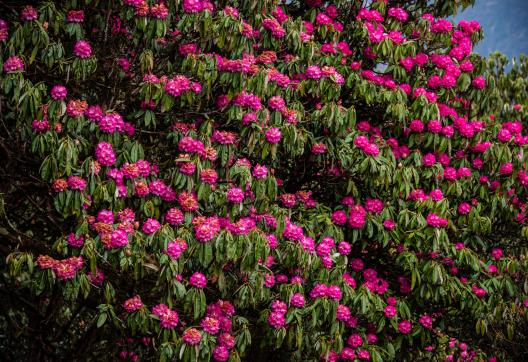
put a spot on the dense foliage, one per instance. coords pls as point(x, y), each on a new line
point(255, 180)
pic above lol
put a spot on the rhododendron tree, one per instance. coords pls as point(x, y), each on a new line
point(252, 180)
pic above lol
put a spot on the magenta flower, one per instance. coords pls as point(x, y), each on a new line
point(58, 92)
point(404, 327)
point(150, 226)
point(192, 336)
point(210, 325)
point(276, 320)
point(297, 300)
point(355, 340)
point(133, 304)
point(105, 154)
point(235, 195)
point(82, 49)
point(220, 353)
point(13, 64)
point(198, 280)
point(273, 135)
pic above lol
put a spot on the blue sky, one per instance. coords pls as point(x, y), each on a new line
point(505, 24)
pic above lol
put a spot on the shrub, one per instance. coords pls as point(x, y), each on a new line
point(194, 180)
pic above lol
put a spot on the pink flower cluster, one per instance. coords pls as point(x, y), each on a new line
point(13, 64)
point(206, 229)
point(196, 6)
point(4, 34)
point(150, 226)
point(274, 26)
point(249, 100)
point(64, 269)
point(133, 304)
point(198, 280)
point(168, 318)
point(366, 146)
point(28, 13)
point(105, 154)
point(176, 248)
point(75, 16)
point(82, 49)
point(436, 221)
point(75, 242)
point(192, 336)
point(326, 291)
point(58, 92)
point(277, 317)
point(273, 135)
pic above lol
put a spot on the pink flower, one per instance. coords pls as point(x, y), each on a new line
point(75, 242)
point(192, 336)
point(177, 86)
point(479, 292)
point(404, 327)
point(318, 148)
point(390, 311)
point(176, 248)
point(168, 317)
point(40, 126)
point(105, 154)
point(479, 83)
point(150, 226)
point(75, 16)
point(357, 217)
point(343, 313)
point(220, 353)
point(279, 306)
point(426, 321)
point(339, 217)
point(464, 208)
point(276, 103)
point(133, 304)
point(436, 195)
point(374, 206)
point(436, 221)
point(297, 300)
point(13, 64)
point(313, 72)
point(348, 354)
point(276, 320)
point(76, 183)
point(428, 160)
point(333, 292)
point(235, 195)
point(355, 340)
point(159, 11)
point(198, 280)
point(273, 135)
point(416, 126)
point(389, 224)
point(226, 340)
point(496, 253)
point(344, 248)
point(82, 49)
point(28, 13)
point(4, 34)
point(506, 168)
point(59, 92)
point(260, 172)
point(399, 14)
point(174, 216)
point(363, 354)
point(118, 238)
point(210, 325)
